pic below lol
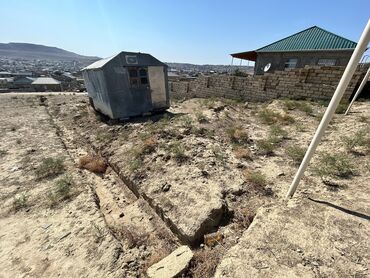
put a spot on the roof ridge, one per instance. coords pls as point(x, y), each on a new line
point(305, 30)
point(287, 37)
point(335, 34)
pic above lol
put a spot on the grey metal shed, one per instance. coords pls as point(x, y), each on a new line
point(127, 84)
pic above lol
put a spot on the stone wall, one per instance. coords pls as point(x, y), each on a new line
point(305, 83)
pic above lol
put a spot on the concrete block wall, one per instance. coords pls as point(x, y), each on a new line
point(311, 82)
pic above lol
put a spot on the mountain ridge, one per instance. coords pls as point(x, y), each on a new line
point(38, 51)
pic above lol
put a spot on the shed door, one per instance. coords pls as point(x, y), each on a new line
point(157, 86)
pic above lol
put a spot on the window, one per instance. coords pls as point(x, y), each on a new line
point(291, 63)
point(326, 62)
point(138, 77)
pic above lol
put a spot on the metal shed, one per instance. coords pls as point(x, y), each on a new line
point(127, 84)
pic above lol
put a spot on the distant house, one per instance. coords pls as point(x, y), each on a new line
point(6, 82)
point(4, 74)
point(312, 46)
point(23, 83)
point(44, 84)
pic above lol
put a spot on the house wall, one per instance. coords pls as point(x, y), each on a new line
point(278, 59)
point(318, 83)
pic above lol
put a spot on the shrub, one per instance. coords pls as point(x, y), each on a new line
point(277, 134)
point(270, 117)
point(50, 167)
point(360, 139)
point(303, 106)
point(265, 146)
point(93, 163)
point(342, 107)
point(178, 152)
point(219, 155)
point(61, 190)
point(237, 135)
point(20, 202)
point(295, 153)
point(201, 117)
point(334, 165)
point(255, 178)
point(243, 153)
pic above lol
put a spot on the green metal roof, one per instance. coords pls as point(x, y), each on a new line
point(313, 38)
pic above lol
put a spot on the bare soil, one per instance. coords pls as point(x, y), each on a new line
point(202, 167)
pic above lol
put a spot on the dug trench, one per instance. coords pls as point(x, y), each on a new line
point(216, 215)
point(130, 219)
point(189, 179)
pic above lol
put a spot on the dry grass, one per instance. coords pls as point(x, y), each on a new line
point(204, 263)
point(244, 217)
point(243, 153)
point(237, 135)
point(361, 139)
point(20, 202)
point(50, 167)
point(295, 153)
point(93, 163)
point(256, 178)
point(61, 190)
point(334, 165)
point(270, 117)
point(265, 146)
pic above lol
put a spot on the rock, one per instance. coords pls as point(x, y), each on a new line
point(166, 187)
point(173, 265)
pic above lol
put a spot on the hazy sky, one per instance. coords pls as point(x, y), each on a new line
point(197, 31)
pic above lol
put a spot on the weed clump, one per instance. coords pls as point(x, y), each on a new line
point(277, 134)
point(93, 163)
point(61, 190)
point(360, 139)
point(243, 153)
point(265, 146)
point(334, 165)
point(256, 178)
point(295, 153)
point(20, 202)
point(50, 167)
point(270, 117)
point(178, 152)
point(237, 135)
point(303, 106)
point(219, 155)
point(201, 117)
point(342, 107)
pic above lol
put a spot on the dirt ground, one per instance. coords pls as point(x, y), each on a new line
point(205, 166)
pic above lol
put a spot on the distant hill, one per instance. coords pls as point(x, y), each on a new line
point(42, 52)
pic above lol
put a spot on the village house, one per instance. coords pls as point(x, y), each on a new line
point(312, 46)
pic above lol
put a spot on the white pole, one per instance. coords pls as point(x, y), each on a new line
point(343, 83)
point(362, 85)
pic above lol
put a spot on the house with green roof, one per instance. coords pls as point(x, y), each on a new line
point(312, 46)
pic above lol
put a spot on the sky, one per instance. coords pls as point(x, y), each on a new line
point(198, 31)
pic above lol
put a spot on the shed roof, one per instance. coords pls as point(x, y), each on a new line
point(100, 63)
point(45, 81)
point(311, 39)
point(141, 56)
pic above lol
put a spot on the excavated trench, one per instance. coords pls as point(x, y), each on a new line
point(216, 217)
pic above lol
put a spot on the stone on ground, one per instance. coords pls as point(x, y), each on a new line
point(173, 265)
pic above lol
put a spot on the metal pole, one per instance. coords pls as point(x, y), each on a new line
point(343, 83)
point(362, 85)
